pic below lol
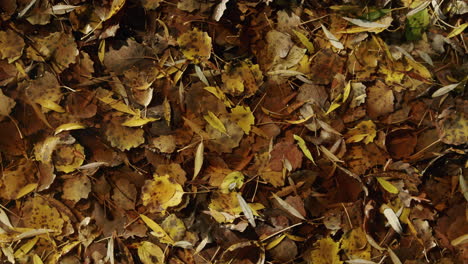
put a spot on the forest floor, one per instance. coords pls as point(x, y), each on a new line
point(233, 131)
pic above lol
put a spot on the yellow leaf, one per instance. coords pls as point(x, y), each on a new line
point(26, 190)
point(354, 243)
point(232, 181)
point(167, 111)
point(219, 94)
point(161, 193)
point(458, 30)
point(39, 214)
point(365, 130)
point(147, 251)
point(286, 206)
point(174, 227)
point(300, 121)
point(69, 157)
point(115, 7)
point(305, 41)
point(68, 127)
point(136, 121)
point(50, 105)
point(302, 145)
point(241, 78)
point(295, 238)
point(418, 67)
point(195, 45)
point(124, 138)
point(26, 247)
point(347, 91)
point(198, 159)
point(102, 50)
point(214, 121)
point(275, 242)
point(105, 96)
point(37, 259)
point(325, 251)
point(158, 231)
point(243, 117)
point(332, 107)
point(389, 187)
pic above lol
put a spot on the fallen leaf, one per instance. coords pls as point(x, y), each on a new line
point(161, 193)
point(11, 45)
point(195, 45)
point(325, 252)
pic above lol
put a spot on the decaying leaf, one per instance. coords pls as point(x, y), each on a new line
point(6, 105)
point(325, 251)
point(147, 252)
point(76, 187)
point(124, 138)
point(195, 45)
point(38, 213)
point(242, 78)
point(161, 193)
point(11, 45)
point(364, 131)
point(243, 117)
point(45, 91)
point(453, 127)
point(232, 181)
point(59, 48)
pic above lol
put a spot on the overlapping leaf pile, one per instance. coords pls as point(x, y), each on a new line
point(233, 132)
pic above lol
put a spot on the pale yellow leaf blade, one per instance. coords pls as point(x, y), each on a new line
point(388, 186)
point(214, 121)
point(246, 209)
point(68, 127)
point(198, 159)
point(286, 206)
point(347, 91)
point(102, 50)
point(332, 107)
point(26, 190)
point(136, 121)
point(25, 248)
point(302, 145)
point(158, 231)
point(305, 41)
point(458, 30)
point(275, 242)
point(37, 259)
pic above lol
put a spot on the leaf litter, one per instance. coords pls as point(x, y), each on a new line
point(233, 132)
